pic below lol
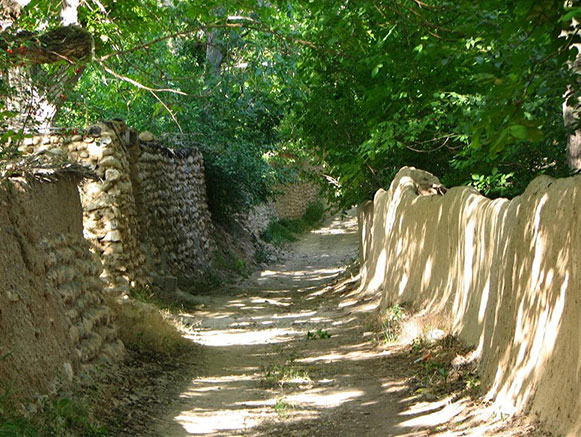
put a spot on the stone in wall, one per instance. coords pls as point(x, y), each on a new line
point(295, 199)
point(257, 218)
point(146, 215)
point(174, 219)
point(109, 212)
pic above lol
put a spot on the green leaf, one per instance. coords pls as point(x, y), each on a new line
point(476, 141)
point(375, 70)
point(571, 14)
point(519, 131)
point(498, 145)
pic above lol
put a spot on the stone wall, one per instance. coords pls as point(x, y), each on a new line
point(147, 214)
point(174, 219)
point(295, 198)
point(53, 315)
point(505, 272)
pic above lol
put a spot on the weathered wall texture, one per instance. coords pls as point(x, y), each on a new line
point(295, 198)
point(147, 215)
point(53, 316)
point(170, 194)
point(507, 272)
point(257, 218)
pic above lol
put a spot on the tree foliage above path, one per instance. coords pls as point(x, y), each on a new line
point(471, 91)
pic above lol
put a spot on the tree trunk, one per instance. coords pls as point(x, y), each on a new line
point(572, 106)
point(213, 53)
point(70, 44)
point(36, 96)
point(571, 116)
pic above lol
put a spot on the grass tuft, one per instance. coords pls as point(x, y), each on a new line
point(145, 328)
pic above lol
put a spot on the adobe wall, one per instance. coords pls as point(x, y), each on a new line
point(506, 272)
point(53, 315)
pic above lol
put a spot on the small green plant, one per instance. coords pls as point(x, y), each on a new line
point(319, 333)
point(472, 382)
point(283, 231)
point(64, 416)
point(314, 213)
point(282, 407)
point(278, 234)
point(68, 416)
point(261, 256)
point(417, 344)
point(391, 323)
point(232, 262)
point(287, 373)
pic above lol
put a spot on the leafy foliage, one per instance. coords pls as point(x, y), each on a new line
point(456, 88)
point(284, 230)
point(471, 91)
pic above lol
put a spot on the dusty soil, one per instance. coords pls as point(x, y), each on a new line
point(294, 351)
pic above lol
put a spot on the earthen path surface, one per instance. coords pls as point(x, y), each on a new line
point(291, 352)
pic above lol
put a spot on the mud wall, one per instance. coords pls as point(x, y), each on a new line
point(507, 273)
point(53, 315)
point(147, 215)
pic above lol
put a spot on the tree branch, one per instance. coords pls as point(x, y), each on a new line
point(205, 28)
point(70, 43)
point(137, 84)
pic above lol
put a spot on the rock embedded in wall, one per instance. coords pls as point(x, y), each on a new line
point(109, 212)
point(73, 273)
point(173, 211)
point(294, 199)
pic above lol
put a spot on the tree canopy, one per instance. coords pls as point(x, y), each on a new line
point(471, 91)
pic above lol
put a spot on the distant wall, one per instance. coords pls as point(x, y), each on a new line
point(295, 198)
point(147, 215)
point(53, 316)
point(506, 272)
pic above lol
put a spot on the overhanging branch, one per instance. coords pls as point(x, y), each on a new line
point(70, 44)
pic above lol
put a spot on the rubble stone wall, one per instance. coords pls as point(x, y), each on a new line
point(147, 214)
point(54, 318)
point(174, 219)
point(295, 198)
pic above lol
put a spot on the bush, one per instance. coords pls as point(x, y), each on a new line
point(277, 234)
point(237, 177)
point(315, 212)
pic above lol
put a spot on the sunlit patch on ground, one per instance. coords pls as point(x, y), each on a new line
point(199, 422)
point(232, 337)
point(325, 398)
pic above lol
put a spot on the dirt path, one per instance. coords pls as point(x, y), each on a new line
point(290, 352)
